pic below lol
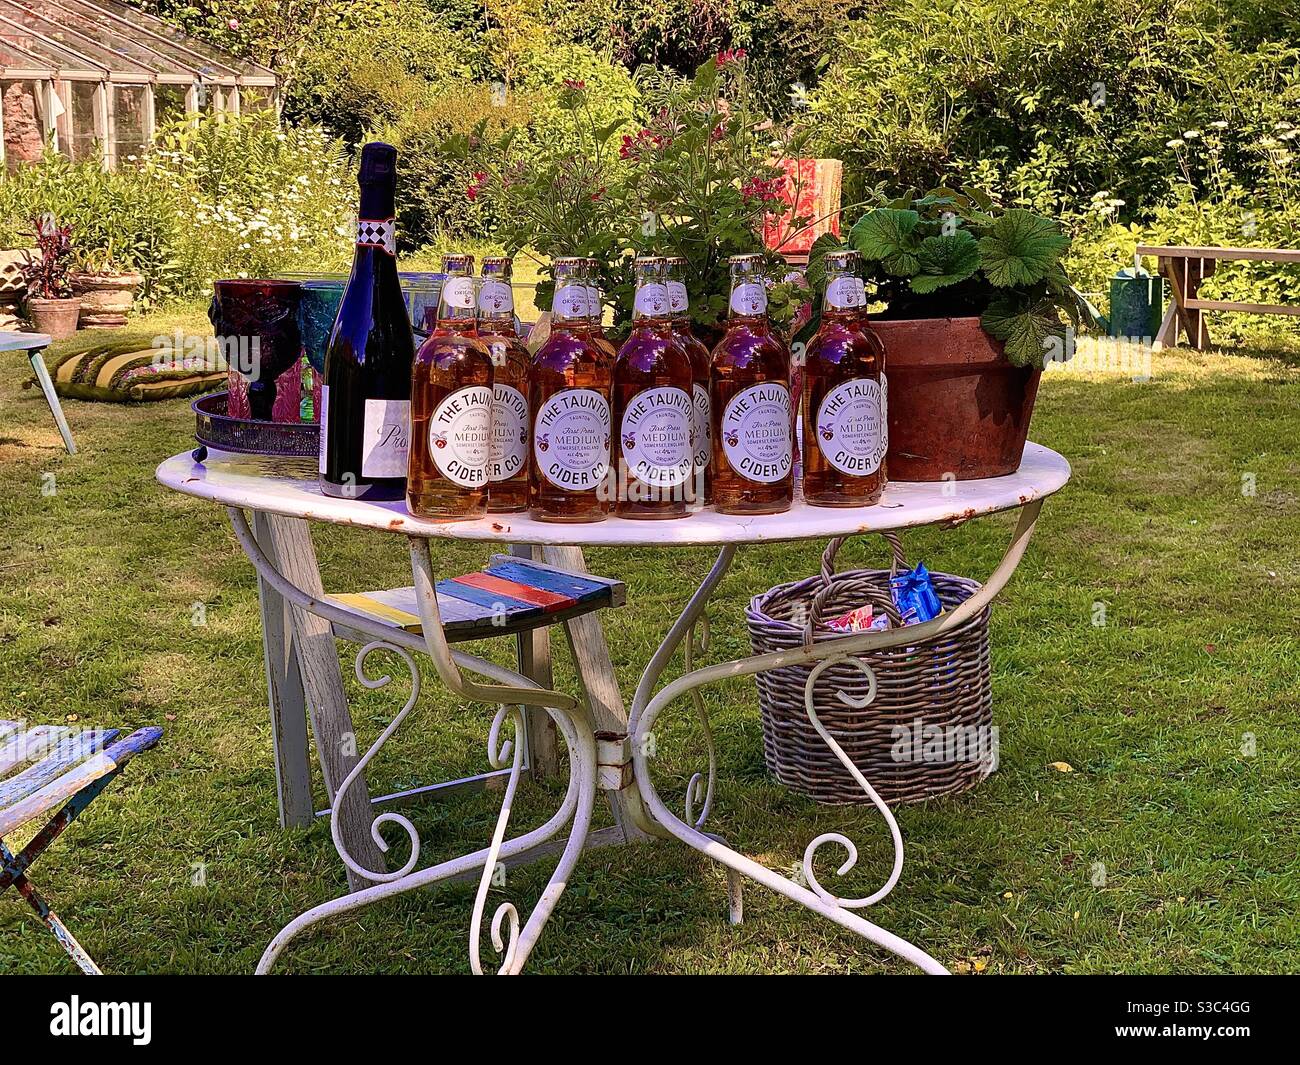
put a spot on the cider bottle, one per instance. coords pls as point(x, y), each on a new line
point(862, 322)
point(749, 400)
point(843, 445)
point(569, 400)
point(701, 427)
point(451, 407)
point(508, 464)
point(652, 406)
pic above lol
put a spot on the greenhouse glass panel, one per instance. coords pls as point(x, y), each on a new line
point(129, 104)
point(169, 103)
point(24, 122)
point(85, 133)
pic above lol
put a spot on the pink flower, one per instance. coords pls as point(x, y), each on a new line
point(718, 133)
point(576, 84)
point(632, 146)
point(762, 190)
point(730, 55)
point(233, 23)
point(476, 186)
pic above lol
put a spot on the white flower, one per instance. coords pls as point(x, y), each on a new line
point(1175, 143)
point(1220, 124)
point(1191, 134)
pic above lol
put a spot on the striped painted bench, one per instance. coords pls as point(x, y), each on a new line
point(49, 767)
point(509, 595)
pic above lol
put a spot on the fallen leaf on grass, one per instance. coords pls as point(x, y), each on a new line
point(1061, 767)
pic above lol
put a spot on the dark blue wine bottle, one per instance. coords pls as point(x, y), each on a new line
point(365, 420)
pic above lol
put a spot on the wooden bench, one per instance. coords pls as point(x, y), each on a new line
point(1185, 269)
point(47, 767)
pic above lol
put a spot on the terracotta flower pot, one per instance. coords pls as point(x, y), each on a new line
point(956, 405)
point(105, 298)
point(55, 318)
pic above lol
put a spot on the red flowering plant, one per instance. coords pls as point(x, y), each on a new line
point(702, 177)
point(552, 195)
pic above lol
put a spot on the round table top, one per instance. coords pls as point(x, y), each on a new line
point(289, 487)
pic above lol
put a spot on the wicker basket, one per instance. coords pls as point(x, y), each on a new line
point(941, 682)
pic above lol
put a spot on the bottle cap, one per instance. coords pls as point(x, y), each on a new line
point(378, 163)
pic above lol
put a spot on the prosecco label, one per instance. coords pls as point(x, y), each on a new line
point(749, 299)
point(844, 293)
point(701, 426)
point(386, 437)
point(756, 432)
point(460, 436)
point(571, 301)
point(848, 427)
point(496, 297)
point(652, 301)
point(656, 437)
point(678, 301)
point(571, 439)
point(378, 233)
point(509, 433)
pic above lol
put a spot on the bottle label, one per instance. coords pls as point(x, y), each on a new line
point(652, 301)
point(656, 437)
point(571, 301)
point(324, 424)
point(460, 436)
point(378, 233)
point(749, 298)
point(862, 291)
point(756, 432)
point(594, 309)
point(509, 433)
point(458, 293)
point(571, 439)
point(385, 440)
point(848, 427)
point(678, 301)
point(496, 297)
point(844, 293)
point(884, 413)
point(701, 426)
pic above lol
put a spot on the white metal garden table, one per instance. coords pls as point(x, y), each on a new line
point(607, 752)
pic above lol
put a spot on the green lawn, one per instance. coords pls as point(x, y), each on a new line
point(1152, 710)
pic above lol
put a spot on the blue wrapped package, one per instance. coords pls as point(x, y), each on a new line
point(914, 595)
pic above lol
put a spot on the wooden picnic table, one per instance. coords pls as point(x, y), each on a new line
point(1186, 267)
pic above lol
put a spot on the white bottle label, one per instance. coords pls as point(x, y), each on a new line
point(571, 439)
point(701, 426)
point(756, 432)
point(571, 301)
point(884, 413)
point(656, 437)
point(324, 423)
point(386, 434)
point(749, 298)
point(593, 302)
point(652, 301)
point(844, 293)
point(495, 297)
point(509, 433)
point(460, 436)
point(678, 301)
point(458, 292)
point(848, 427)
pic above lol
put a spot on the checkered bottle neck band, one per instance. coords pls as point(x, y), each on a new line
point(378, 233)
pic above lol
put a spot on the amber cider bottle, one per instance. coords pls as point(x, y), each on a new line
point(749, 399)
point(451, 407)
point(862, 322)
point(843, 442)
point(508, 463)
point(679, 303)
point(569, 400)
point(653, 409)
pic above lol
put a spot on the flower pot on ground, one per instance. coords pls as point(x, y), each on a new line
point(51, 305)
point(106, 296)
point(976, 303)
point(957, 407)
point(55, 318)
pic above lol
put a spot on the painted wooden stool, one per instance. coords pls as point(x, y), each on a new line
point(49, 766)
point(34, 344)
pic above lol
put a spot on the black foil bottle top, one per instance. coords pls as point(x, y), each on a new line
point(378, 180)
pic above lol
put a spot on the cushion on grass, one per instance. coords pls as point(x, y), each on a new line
point(122, 369)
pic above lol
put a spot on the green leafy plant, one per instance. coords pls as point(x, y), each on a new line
point(950, 254)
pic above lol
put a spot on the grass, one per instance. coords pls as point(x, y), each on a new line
point(1165, 849)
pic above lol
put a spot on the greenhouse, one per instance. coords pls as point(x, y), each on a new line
point(100, 76)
